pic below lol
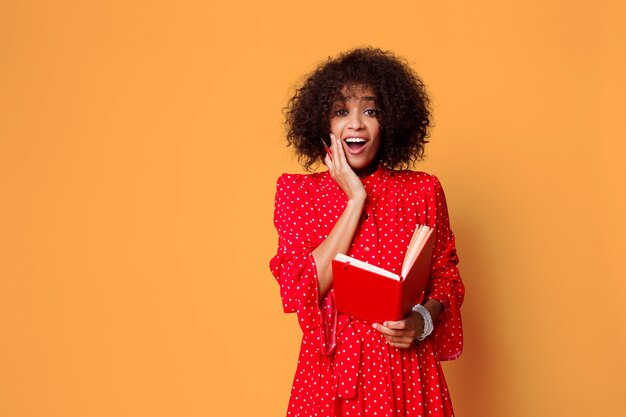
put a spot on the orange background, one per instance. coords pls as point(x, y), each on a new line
point(139, 148)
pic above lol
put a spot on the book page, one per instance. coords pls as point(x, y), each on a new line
point(420, 236)
point(367, 267)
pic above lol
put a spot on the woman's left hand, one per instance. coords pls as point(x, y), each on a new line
point(402, 333)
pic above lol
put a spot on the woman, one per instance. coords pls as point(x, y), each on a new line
point(373, 111)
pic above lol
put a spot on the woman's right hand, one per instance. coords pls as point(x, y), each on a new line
point(342, 172)
point(340, 237)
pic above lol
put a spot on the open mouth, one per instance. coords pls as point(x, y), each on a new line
point(355, 144)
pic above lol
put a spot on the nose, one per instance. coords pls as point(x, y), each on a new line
point(356, 121)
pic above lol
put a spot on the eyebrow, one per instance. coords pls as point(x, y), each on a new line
point(364, 98)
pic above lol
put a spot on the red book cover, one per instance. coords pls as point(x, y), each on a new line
point(371, 293)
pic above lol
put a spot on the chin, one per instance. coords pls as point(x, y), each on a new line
point(358, 167)
point(360, 164)
point(364, 168)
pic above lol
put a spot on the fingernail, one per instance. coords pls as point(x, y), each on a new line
point(374, 325)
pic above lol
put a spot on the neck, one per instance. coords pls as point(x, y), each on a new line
point(368, 170)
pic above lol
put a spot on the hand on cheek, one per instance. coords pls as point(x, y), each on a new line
point(342, 173)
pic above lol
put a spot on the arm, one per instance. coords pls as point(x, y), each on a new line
point(445, 284)
point(340, 237)
point(302, 265)
point(444, 292)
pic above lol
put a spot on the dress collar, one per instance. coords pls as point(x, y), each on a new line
point(373, 183)
point(376, 180)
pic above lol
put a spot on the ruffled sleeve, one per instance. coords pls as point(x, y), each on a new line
point(445, 284)
point(293, 266)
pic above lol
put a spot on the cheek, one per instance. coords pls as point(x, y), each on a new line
point(376, 131)
point(374, 127)
point(336, 126)
point(377, 147)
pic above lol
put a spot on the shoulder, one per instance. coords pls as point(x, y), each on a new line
point(300, 183)
point(417, 180)
point(294, 200)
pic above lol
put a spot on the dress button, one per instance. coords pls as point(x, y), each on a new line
point(366, 249)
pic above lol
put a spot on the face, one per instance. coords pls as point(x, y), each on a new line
point(354, 122)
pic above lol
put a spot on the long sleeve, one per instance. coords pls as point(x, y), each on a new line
point(293, 266)
point(445, 284)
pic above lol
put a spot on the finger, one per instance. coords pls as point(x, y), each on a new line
point(404, 334)
point(327, 149)
point(399, 345)
point(337, 149)
point(333, 153)
point(333, 143)
point(328, 161)
point(399, 339)
point(384, 330)
point(403, 341)
point(401, 324)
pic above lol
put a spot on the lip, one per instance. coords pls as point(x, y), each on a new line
point(354, 151)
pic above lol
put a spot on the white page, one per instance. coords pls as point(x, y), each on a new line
point(368, 267)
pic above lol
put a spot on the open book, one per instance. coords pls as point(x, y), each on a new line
point(371, 293)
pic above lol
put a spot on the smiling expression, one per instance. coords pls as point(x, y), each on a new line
point(354, 122)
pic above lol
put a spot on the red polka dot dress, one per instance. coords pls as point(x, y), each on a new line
point(345, 366)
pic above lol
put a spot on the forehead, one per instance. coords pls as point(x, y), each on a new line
point(358, 92)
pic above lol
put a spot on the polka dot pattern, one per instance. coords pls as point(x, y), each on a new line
point(345, 367)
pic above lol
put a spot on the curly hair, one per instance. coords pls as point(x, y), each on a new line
point(401, 96)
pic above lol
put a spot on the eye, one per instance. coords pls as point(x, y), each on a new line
point(371, 112)
point(340, 112)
